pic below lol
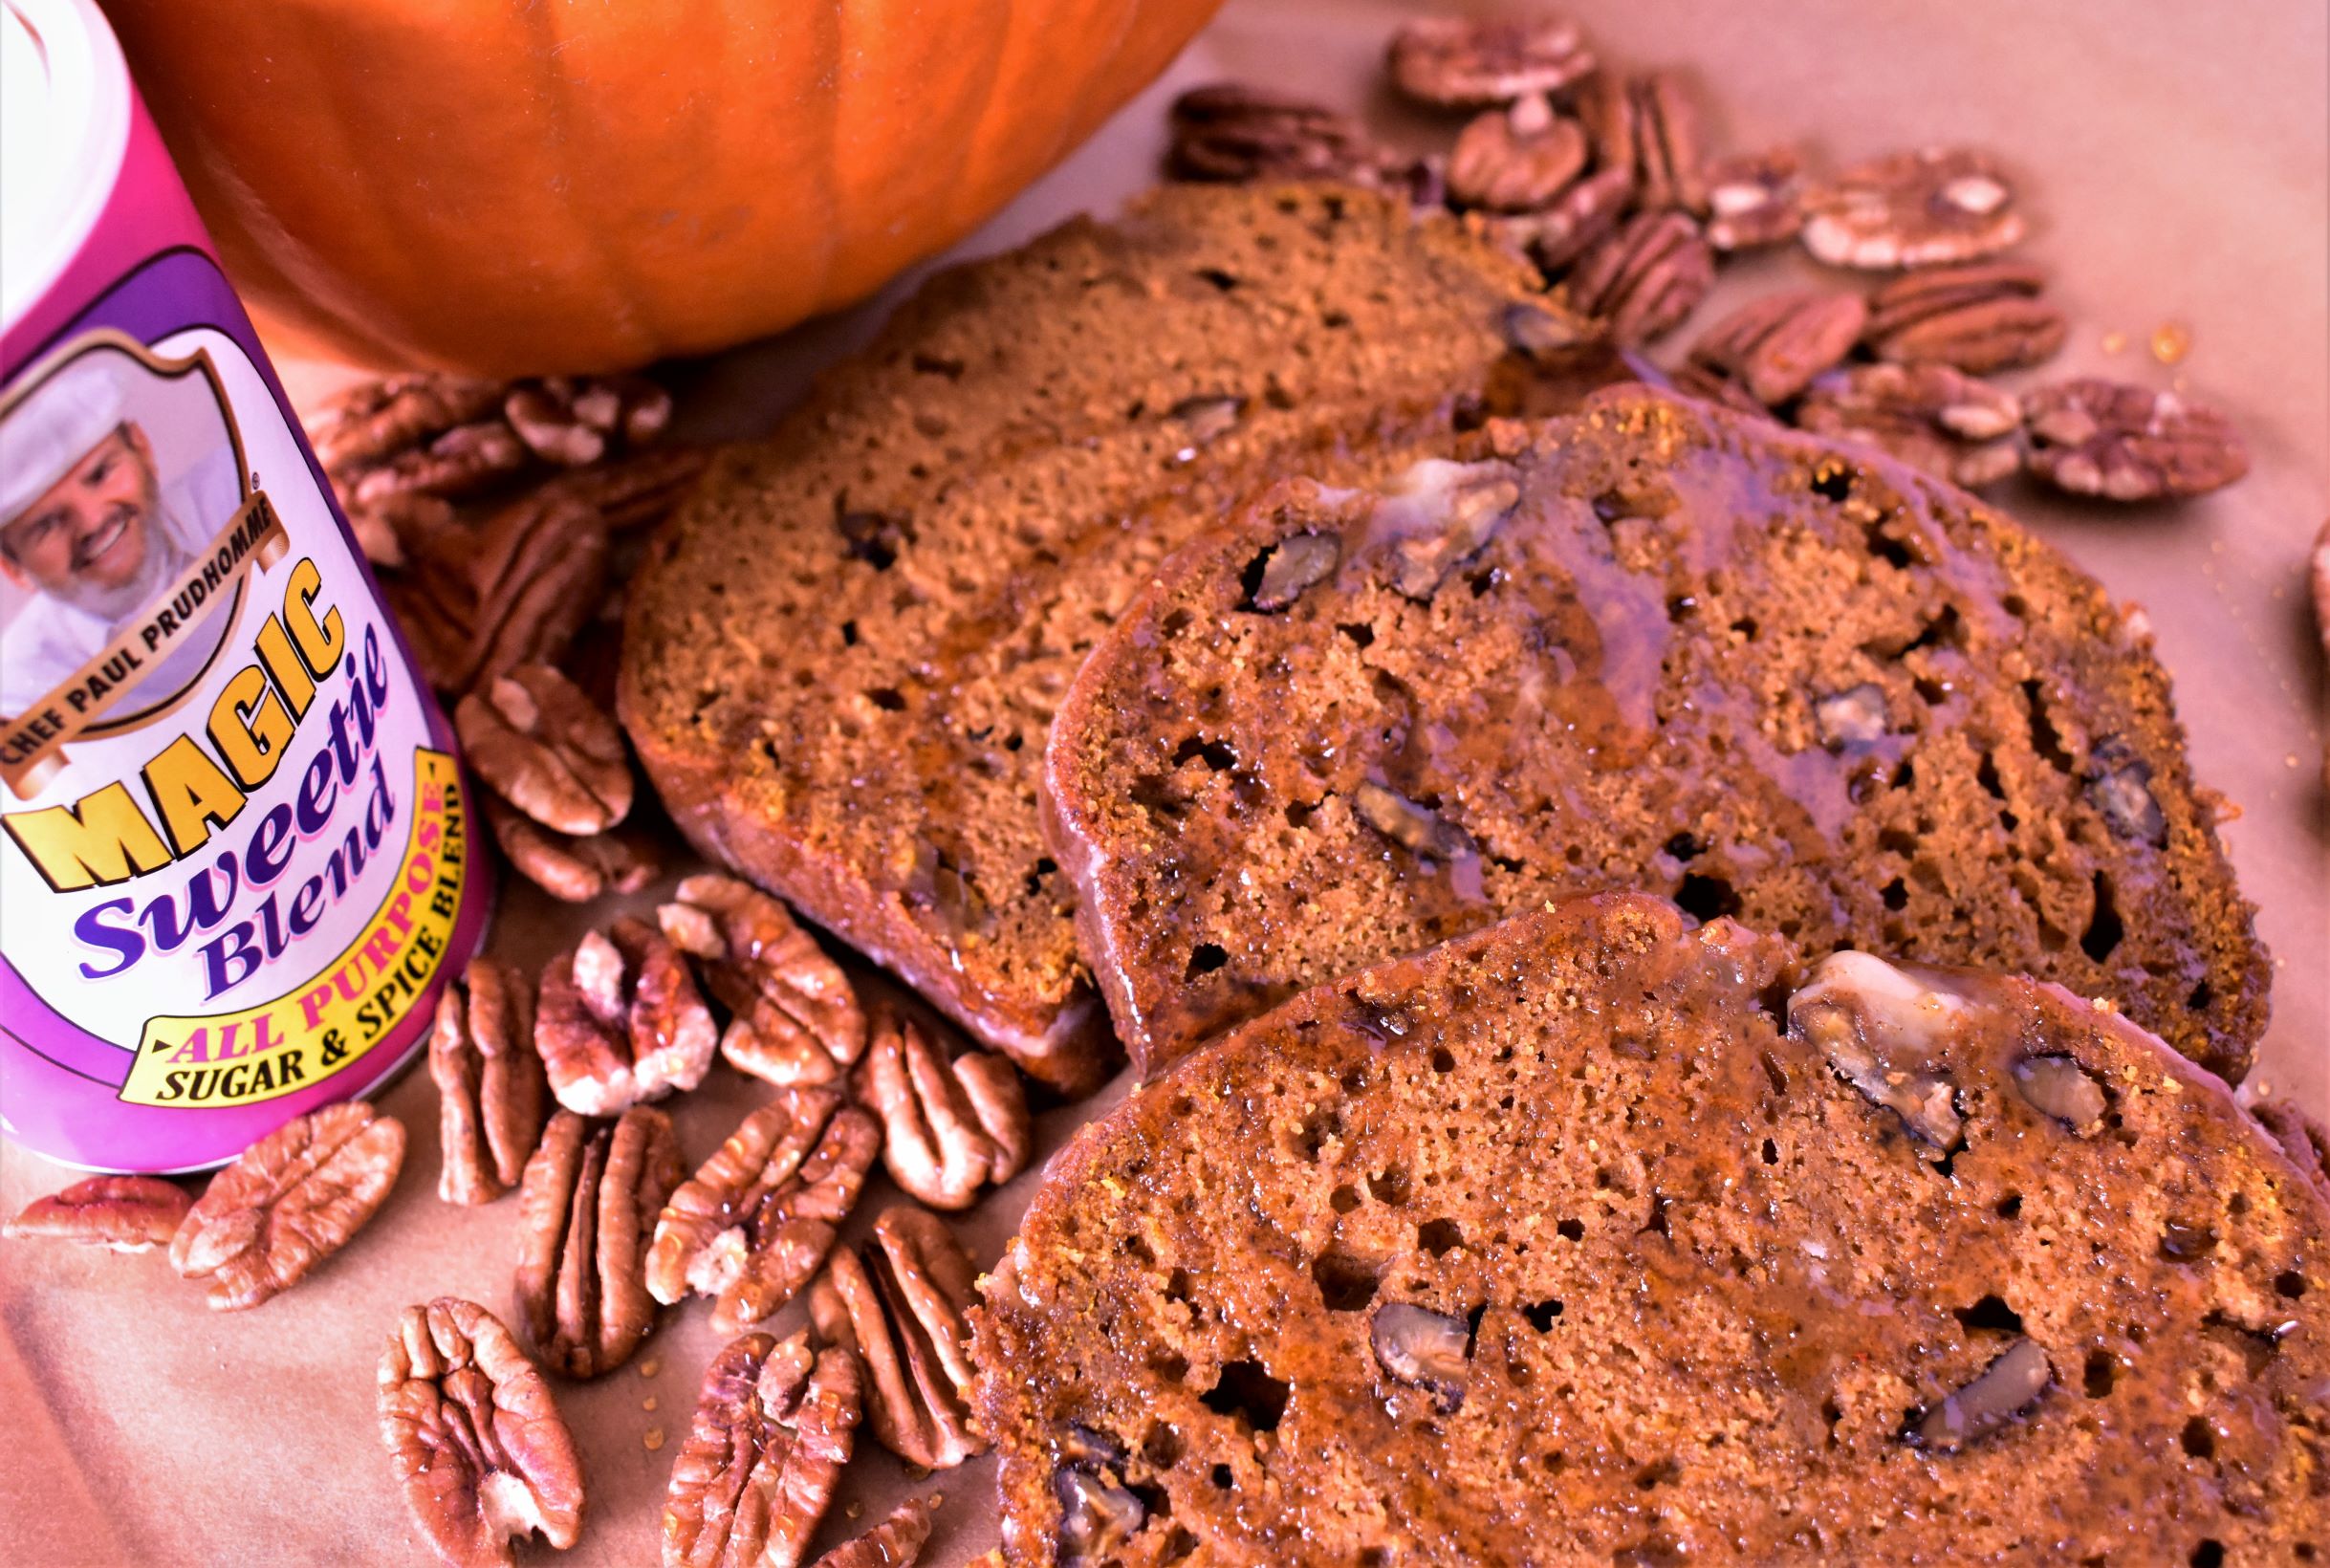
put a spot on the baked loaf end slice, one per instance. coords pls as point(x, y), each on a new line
point(1553, 1244)
point(1654, 648)
point(841, 656)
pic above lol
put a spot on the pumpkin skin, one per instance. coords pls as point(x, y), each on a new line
point(588, 184)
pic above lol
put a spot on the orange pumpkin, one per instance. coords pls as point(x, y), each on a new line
point(581, 185)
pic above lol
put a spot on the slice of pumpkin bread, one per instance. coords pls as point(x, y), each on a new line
point(1580, 1239)
point(1651, 646)
point(841, 655)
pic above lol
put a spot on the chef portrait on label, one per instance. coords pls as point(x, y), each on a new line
point(113, 479)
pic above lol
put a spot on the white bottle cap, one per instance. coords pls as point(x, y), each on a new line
point(64, 126)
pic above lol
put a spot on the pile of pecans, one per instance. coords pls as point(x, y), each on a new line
point(1604, 180)
point(556, 1089)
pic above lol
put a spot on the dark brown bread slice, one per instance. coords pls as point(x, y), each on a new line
point(1767, 677)
point(841, 656)
point(1550, 1246)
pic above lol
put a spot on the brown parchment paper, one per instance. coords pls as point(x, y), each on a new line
point(2173, 161)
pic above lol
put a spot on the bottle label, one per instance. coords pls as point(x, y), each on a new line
point(235, 851)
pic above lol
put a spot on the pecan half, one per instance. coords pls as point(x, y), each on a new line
point(461, 461)
point(632, 492)
point(476, 1440)
point(592, 1195)
point(1644, 278)
point(391, 529)
point(290, 1201)
point(1929, 416)
point(897, 1542)
point(542, 745)
point(620, 1021)
point(1981, 318)
point(949, 1125)
point(1469, 63)
point(1581, 218)
point(898, 1303)
point(1516, 160)
point(1774, 346)
point(774, 1424)
point(1647, 126)
point(1920, 209)
point(122, 1213)
point(576, 870)
point(795, 1017)
point(489, 1082)
point(575, 420)
point(752, 1225)
point(2093, 437)
point(1751, 200)
point(379, 418)
point(1229, 132)
point(477, 602)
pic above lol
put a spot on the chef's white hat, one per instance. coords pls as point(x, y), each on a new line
point(46, 434)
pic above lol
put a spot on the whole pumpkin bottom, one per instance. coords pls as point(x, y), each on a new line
point(572, 186)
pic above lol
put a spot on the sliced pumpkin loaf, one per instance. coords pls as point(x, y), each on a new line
point(1655, 646)
point(841, 655)
point(1593, 1237)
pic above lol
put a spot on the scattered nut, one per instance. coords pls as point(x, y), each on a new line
point(1753, 200)
point(793, 1015)
point(1437, 515)
point(476, 1440)
point(1228, 132)
point(774, 1424)
point(898, 1303)
point(122, 1213)
point(1646, 126)
point(1855, 716)
point(290, 1201)
point(620, 1021)
point(897, 1542)
point(2059, 1087)
point(1464, 63)
point(457, 462)
point(1981, 318)
point(1912, 210)
point(629, 492)
point(1579, 219)
point(379, 418)
point(489, 1082)
point(1292, 564)
point(950, 1126)
point(592, 1195)
point(2003, 1391)
point(1929, 416)
point(572, 420)
point(1516, 160)
point(1429, 1350)
point(1644, 278)
point(752, 1225)
point(1774, 346)
point(1881, 1030)
point(2093, 437)
point(541, 744)
point(477, 602)
point(2120, 786)
point(575, 870)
